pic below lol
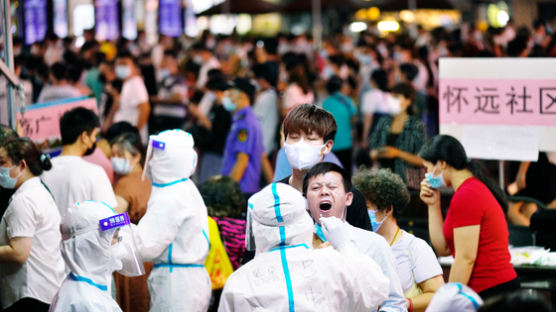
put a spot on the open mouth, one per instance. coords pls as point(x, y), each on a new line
point(325, 206)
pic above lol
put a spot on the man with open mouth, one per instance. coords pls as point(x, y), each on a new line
point(325, 186)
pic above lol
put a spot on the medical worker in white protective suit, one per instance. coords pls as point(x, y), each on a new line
point(288, 275)
point(95, 242)
point(455, 297)
point(173, 232)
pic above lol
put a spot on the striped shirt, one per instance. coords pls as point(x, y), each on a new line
point(233, 235)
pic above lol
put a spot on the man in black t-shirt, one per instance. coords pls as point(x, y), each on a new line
point(210, 131)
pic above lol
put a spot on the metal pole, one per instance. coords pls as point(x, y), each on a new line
point(501, 173)
point(9, 60)
point(317, 23)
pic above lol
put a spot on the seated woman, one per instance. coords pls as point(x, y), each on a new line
point(397, 139)
point(418, 269)
point(132, 195)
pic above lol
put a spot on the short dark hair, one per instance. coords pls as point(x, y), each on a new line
point(334, 84)
point(217, 83)
point(223, 197)
point(404, 89)
point(309, 117)
point(119, 128)
point(260, 71)
point(74, 73)
point(199, 46)
point(125, 54)
point(75, 121)
point(58, 70)
point(19, 149)
point(245, 86)
point(271, 45)
point(410, 71)
point(383, 188)
point(380, 78)
point(6, 133)
point(323, 168)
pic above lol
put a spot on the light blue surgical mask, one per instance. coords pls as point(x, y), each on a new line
point(6, 181)
point(122, 71)
point(374, 223)
point(120, 165)
point(435, 182)
point(164, 73)
point(228, 104)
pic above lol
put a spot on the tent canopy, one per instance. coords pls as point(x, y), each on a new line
point(242, 6)
point(306, 5)
point(398, 5)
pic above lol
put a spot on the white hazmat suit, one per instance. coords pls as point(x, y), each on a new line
point(455, 297)
point(87, 253)
point(287, 274)
point(173, 233)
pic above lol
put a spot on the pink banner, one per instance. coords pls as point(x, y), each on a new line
point(42, 121)
point(497, 102)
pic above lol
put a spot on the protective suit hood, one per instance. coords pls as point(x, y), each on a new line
point(170, 156)
point(455, 297)
point(85, 248)
point(279, 217)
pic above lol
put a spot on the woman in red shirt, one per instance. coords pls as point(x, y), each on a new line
point(475, 231)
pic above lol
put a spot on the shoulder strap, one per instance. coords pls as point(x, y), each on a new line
point(49, 192)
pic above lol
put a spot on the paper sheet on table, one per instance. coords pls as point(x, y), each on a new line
point(527, 255)
point(501, 142)
point(531, 255)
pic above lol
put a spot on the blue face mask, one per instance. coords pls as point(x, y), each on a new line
point(6, 181)
point(374, 223)
point(121, 165)
point(164, 73)
point(228, 104)
point(435, 182)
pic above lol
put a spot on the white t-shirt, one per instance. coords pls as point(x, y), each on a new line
point(54, 93)
point(32, 213)
point(266, 109)
point(415, 260)
point(205, 105)
point(73, 179)
point(133, 93)
point(375, 101)
point(376, 247)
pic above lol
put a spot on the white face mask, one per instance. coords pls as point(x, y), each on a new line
point(394, 104)
point(303, 156)
point(120, 165)
point(123, 71)
point(198, 59)
point(164, 73)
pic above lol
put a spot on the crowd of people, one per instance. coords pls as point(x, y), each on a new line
point(256, 140)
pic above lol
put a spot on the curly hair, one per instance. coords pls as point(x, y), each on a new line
point(383, 188)
point(223, 198)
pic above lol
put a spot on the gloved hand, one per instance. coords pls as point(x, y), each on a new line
point(336, 232)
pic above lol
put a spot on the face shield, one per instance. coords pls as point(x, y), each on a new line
point(153, 143)
point(125, 258)
point(170, 157)
point(249, 237)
